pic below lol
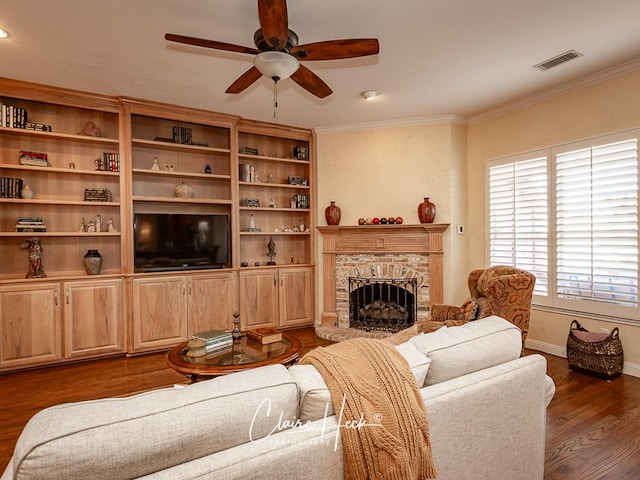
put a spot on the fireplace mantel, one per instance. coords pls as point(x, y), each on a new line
point(423, 239)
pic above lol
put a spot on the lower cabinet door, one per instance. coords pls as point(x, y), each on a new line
point(296, 304)
point(212, 300)
point(259, 299)
point(159, 312)
point(93, 318)
point(30, 322)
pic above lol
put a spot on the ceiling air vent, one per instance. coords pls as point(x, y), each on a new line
point(555, 61)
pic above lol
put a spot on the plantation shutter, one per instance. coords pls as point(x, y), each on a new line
point(518, 219)
point(597, 223)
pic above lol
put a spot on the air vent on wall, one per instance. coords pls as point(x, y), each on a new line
point(555, 61)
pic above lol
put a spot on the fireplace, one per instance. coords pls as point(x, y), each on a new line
point(382, 304)
point(370, 253)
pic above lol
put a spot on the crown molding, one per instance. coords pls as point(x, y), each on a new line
point(403, 122)
point(595, 78)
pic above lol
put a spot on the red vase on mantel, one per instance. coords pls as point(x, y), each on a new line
point(427, 211)
point(332, 214)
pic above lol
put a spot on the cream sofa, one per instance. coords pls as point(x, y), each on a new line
point(485, 406)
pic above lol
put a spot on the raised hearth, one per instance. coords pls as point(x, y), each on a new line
point(378, 251)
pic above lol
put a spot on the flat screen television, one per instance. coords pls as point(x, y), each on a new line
point(175, 241)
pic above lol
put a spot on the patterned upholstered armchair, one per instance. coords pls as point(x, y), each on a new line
point(500, 290)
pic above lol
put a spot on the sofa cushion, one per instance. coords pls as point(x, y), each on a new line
point(456, 351)
point(315, 399)
point(165, 427)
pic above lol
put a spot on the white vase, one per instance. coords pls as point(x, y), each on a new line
point(26, 192)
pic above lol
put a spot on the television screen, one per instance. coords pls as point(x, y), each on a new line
point(172, 241)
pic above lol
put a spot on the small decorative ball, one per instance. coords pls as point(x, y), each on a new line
point(391, 220)
point(361, 221)
point(399, 220)
point(376, 220)
point(383, 221)
point(368, 221)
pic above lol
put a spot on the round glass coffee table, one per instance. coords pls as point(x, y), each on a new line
point(242, 355)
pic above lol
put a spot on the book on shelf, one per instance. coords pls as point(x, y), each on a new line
point(214, 336)
point(264, 335)
point(10, 187)
point(30, 224)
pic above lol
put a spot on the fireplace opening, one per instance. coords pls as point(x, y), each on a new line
point(382, 304)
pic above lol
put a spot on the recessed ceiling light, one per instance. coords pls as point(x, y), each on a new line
point(369, 94)
point(3, 33)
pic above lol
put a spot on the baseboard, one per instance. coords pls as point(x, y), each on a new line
point(632, 369)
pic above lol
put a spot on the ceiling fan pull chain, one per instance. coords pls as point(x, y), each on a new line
point(275, 96)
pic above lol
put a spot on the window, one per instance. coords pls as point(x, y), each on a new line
point(569, 215)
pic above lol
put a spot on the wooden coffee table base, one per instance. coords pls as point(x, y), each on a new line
point(243, 355)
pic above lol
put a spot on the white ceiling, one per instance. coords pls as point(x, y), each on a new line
point(437, 57)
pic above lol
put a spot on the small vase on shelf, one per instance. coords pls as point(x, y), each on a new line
point(427, 211)
point(332, 214)
point(26, 192)
point(92, 262)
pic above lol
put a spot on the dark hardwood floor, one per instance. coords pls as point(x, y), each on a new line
point(593, 426)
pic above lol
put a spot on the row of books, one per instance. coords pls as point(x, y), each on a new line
point(35, 159)
point(300, 200)
point(30, 224)
point(16, 117)
point(248, 173)
point(97, 195)
point(10, 187)
point(110, 162)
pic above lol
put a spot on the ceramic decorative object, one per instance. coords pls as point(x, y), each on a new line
point(92, 262)
point(427, 211)
point(183, 190)
point(271, 251)
point(26, 192)
point(196, 347)
point(332, 214)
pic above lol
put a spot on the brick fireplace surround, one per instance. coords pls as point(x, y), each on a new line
point(385, 251)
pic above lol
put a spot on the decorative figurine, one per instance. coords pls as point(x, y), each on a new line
point(91, 226)
point(271, 246)
point(82, 227)
point(110, 227)
point(207, 169)
point(236, 326)
point(98, 223)
point(252, 223)
point(272, 204)
point(156, 165)
point(90, 130)
point(34, 249)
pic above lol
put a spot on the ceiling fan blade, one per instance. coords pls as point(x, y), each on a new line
point(274, 22)
point(200, 42)
point(311, 82)
point(336, 49)
point(244, 80)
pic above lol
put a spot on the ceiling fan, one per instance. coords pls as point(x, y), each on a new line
point(278, 55)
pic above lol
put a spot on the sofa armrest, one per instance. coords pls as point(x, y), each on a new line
point(475, 421)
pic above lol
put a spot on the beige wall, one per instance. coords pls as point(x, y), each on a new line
point(387, 172)
point(610, 106)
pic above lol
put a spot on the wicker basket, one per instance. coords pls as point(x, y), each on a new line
point(597, 354)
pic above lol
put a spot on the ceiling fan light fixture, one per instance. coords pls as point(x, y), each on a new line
point(3, 33)
point(276, 65)
point(369, 94)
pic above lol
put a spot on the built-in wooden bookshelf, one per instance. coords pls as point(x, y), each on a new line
point(39, 317)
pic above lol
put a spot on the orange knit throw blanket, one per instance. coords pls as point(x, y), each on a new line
point(372, 386)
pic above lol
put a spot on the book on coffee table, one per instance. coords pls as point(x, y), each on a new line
point(214, 336)
point(264, 335)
